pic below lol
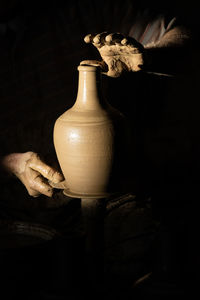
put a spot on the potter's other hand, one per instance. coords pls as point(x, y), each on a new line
point(32, 172)
point(119, 53)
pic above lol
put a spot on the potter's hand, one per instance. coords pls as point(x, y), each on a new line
point(119, 53)
point(32, 172)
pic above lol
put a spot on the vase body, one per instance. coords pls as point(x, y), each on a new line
point(87, 140)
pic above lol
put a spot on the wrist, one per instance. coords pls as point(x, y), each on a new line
point(15, 163)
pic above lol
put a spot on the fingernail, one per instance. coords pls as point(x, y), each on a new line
point(124, 42)
point(96, 40)
point(87, 38)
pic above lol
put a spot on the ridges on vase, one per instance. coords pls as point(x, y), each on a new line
point(90, 139)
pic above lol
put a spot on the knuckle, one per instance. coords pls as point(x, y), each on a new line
point(33, 184)
point(50, 172)
point(34, 156)
point(33, 192)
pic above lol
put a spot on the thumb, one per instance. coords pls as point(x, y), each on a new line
point(46, 171)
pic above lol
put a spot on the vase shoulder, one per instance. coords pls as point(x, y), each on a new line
point(90, 116)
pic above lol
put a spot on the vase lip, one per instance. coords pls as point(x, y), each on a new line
point(87, 67)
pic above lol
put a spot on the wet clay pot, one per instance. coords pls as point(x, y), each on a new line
point(89, 140)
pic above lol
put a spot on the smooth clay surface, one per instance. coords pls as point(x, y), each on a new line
point(86, 139)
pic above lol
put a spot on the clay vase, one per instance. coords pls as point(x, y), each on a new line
point(88, 139)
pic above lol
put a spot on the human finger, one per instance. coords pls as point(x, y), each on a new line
point(132, 43)
point(48, 172)
point(114, 38)
point(36, 184)
point(96, 39)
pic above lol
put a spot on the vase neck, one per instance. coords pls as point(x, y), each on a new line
point(89, 88)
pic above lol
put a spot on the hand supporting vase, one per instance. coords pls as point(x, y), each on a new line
point(89, 140)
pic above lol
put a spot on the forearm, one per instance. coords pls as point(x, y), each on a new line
point(168, 54)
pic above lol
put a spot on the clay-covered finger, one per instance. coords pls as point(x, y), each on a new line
point(48, 172)
point(95, 38)
point(89, 38)
point(100, 38)
point(132, 43)
point(59, 185)
point(90, 62)
point(114, 38)
point(96, 63)
point(36, 184)
point(42, 187)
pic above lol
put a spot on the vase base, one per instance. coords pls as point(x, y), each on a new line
point(68, 193)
